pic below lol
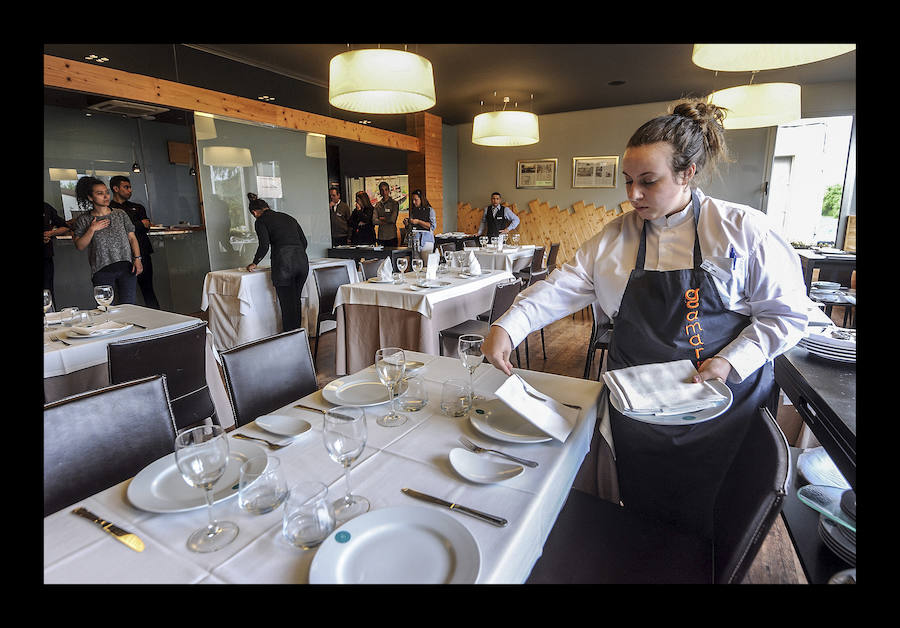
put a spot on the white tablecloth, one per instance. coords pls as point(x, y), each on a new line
point(510, 258)
point(414, 455)
point(243, 306)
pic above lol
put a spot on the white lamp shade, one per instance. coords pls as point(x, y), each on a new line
point(315, 145)
point(381, 81)
point(505, 128)
point(755, 57)
point(228, 156)
point(754, 106)
point(204, 126)
point(63, 174)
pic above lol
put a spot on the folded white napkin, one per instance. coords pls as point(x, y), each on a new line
point(432, 265)
point(538, 408)
point(474, 266)
point(386, 270)
point(98, 329)
point(662, 388)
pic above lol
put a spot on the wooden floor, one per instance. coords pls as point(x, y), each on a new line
point(566, 344)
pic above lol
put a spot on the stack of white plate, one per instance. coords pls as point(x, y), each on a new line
point(832, 343)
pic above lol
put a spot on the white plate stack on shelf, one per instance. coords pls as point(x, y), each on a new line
point(832, 343)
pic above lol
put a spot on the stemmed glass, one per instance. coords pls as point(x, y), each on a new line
point(103, 295)
point(448, 258)
point(344, 433)
point(417, 267)
point(201, 454)
point(469, 348)
point(483, 240)
point(515, 239)
point(48, 303)
point(402, 263)
point(390, 364)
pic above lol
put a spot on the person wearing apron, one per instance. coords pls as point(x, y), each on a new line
point(682, 276)
point(497, 219)
point(421, 221)
point(290, 265)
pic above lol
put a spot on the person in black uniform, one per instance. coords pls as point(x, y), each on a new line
point(121, 195)
point(54, 225)
point(290, 266)
point(497, 219)
point(362, 222)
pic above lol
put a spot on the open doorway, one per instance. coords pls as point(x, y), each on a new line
point(809, 167)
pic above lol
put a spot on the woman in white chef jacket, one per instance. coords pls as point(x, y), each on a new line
point(644, 270)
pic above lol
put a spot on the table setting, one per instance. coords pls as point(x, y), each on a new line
point(351, 494)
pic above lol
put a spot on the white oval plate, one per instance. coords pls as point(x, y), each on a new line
point(398, 545)
point(495, 419)
point(159, 487)
point(363, 392)
point(688, 418)
point(283, 425)
point(481, 469)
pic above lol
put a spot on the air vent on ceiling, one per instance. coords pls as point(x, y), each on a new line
point(130, 109)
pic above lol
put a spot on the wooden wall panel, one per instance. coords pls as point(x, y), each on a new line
point(425, 168)
point(542, 224)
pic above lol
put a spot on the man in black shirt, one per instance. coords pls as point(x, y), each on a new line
point(290, 266)
point(53, 226)
point(121, 191)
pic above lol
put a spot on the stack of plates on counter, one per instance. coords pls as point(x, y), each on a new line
point(837, 518)
point(832, 343)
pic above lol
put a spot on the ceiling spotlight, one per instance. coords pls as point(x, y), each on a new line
point(365, 122)
point(136, 168)
point(266, 98)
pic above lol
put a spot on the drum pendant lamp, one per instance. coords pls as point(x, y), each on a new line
point(381, 81)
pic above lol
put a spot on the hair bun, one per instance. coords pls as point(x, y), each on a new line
point(251, 196)
point(700, 111)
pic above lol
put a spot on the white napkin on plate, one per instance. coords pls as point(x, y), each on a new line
point(98, 329)
point(662, 388)
point(386, 270)
point(538, 408)
point(474, 266)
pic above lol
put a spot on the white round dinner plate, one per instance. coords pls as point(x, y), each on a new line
point(100, 333)
point(495, 419)
point(398, 545)
point(159, 487)
point(379, 280)
point(481, 469)
point(283, 425)
point(364, 389)
point(825, 284)
point(687, 418)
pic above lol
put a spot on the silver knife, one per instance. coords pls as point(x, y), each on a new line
point(118, 533)
point(497, 521)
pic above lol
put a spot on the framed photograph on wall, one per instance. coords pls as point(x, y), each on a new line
point(594, 172)
point(536, 174)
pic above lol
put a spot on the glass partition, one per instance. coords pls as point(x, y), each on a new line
point(238, 157)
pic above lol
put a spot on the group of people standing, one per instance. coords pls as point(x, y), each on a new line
point(114, 231)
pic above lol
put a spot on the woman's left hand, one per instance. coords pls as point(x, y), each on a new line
point(714, 368)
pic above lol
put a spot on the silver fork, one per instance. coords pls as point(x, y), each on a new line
point(480, 450)
point(531, 394)
point(262, 440)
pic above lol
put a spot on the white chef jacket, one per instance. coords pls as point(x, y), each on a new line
point(764, 278)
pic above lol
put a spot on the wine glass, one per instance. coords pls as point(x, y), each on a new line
point(103, 295)
point(402, 263)
point(417, 267)
point(48, 305)
point(344, 433)
point(515, 239)
point(448, 257)
point(390, 364)
point(469, 348)
point(483, 240)
point(201, 455)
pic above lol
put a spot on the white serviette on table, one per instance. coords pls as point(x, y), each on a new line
point(538, 408)
point(661, 388)
point(431, 266)
point(386, 270)
point(98, 329)
point(474, 265)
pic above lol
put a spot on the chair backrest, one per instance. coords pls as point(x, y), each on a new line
point(369, 268)
point(750, 498)
point(504, 295)
point(97, 439)
point(179, 355)
point(328, 280)
point(537, 262)
point(447, 246)
point(266, 374)
point(551, 256)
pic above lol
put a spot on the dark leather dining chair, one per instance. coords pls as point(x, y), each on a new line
point(369, 267)
point(551, 256)
point(97, 439)
point(447, 246)
point(266, 374)
point(179, 355)
point(328, 281)
point(470, 244)
point(536, 270)
point(504, 295)
point(596, 541)
point(601, 337)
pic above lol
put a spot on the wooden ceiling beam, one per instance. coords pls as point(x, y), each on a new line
point(92, 79)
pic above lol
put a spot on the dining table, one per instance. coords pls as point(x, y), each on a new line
point(835, 265)
point(417, 455)
point(372, 314)
point(242, 306)
point(370, 251)
point(511, 258)
point(73, 365)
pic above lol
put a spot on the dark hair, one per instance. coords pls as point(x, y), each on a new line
point(256, 204)
point(422, 198)
point(116, 181)
point(497, 193)
point(365, 201)
point(694, 129)
point(83, 190)
point(384, 183)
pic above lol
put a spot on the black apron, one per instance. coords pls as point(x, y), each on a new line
point(674, 472)
point(495, 224)
point(289, 264)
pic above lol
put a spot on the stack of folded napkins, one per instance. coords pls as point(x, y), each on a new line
point(474, 266)
point(386, 270)
point(661, 389)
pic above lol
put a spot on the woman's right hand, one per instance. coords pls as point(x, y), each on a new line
point(97, 225)
point(497, 348)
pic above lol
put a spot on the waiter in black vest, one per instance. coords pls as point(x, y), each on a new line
point(290, 266)
point(121, 199)
point(497, 219)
